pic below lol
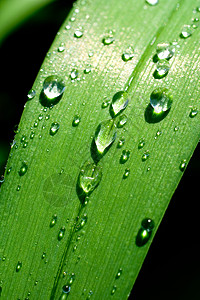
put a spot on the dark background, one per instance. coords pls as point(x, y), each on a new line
point(171, 269)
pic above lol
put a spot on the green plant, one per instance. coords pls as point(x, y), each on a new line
point(96, 248)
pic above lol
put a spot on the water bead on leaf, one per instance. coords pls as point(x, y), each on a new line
point(162, 68)
point(31, 94)
point(165, 50)
point(161, 100)
point(54, 128)
point(152, 2)
point(53, 88)
point(108, 40)
point(78, 33)
point(74, 74)
point(144, 233)
point(119, 103)
point(186, 32)
point(23, 169)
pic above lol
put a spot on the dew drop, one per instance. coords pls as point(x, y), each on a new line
point(23, 169)
point(72, 278)
point(161, 100)
point(162, 68)
point(105, 103)
point(128, 54)
point(53, 220)
point(9, 170)
point(186, 32)
point(81, 222)
point(18, 188)
point(141, 143)
point(53, 88)
point(54, 128)
point(125, 156)
point(78, 33)
point(119, 103)
point(61, 48)
point(89, 177)
point(193, 113)
point(74, 74)
point(61, 233)
point(152, 2)
point(183, 165)
point(32, 135)
point(121, 142)
point(43, 255)
point(88, 69)
point(158, 133)
point(122, 121)
point(119, 273)
point(66, 289)
point(165, 50)
point(76, 120)
point(19, 266)
point(144, 232)
point(108, 40)
point(105, 135)
point(31, 94)
point(35, 124)
point(145, 156)
point(126, 173)
point(113, 290)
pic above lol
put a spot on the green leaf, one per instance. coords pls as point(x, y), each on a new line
point(93, 248)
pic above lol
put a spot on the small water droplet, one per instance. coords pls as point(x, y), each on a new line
point(125, 156)
point(67, 27)
point(18, 188)
point(161, 100)
point(105, 103)
point(78, 33)
point(76, 120)
point(72, 278)
point(152, 2)
point(91, 53)
point(144, 232)
point(113, 290)
point(54, 128)
point(119, 273)
point(61, 48)
point(74, 74)
point(43, 255)
point(119, 103)
point(121, 142)
point(176, 128)
point(19, 266)
point(61, 233)
point(162, 68)
point(126, 173)
point(53, 220)
point(89, 295)
point(158, 133)
point(66, 289)
point(9, 170)
point(122, 121)
point(186, 32)
point(23, 169)
point(128, 54)
point(89, 177)
point(165, 50)
point(88, 69)
point(145, 155)
point(53, 88)
point(141, 143)
point(183, 165)
point(193, 113)
point(32, 135)
point(31, 94)
point(105, 135)
point(108, 40)
point(35, 124)
point(81, 222)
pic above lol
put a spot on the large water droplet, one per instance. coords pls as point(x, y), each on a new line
point(152, 2)
point(53, 88)
point(31, 94)
point(161, 100)
point(162, 68)
point(165, 50)
point(104, 136)
point(144, 232)
point(119, 103)
point(19, 266)
point(186, 31)
point(23, 169)
point(66, 289)
point(89, 177)
point(125, 156)
point(54, 128)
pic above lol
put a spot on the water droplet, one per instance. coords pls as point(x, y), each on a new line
point(18, 188)
point(53, 221)
point(88, 69)
point(78, 33)
point(61, 233)
point(144, 232)
point(61, 48)
point(183, 165)
point(176, 128)
point(105, 135)
point(23, 169)
point(31, 94)
point(72, 278)
point(186, 31)
point(66, 289)
point(161, 100)
point(105, 103)
point(121, 142)
point(126, 173)
point(158, 133)
point(119, 103)
point(119, 273)
point(165, 50)
point(32, 135)
point(113, 290)
point(9, 170)
point(81, 222)
point(43, 255)
point(122, 121)
point(108, 40)
point(89, 177)
point(35, 124)
point(89, 295)
point(145, 156)
point(76, 120)
point(91, 53)
point(125, 156)
point(141, 143)
point(54, 128)
point(193, 113)
point(74, 74)
point(152, 2)
point(19, 266)
point(128, 54)
point(53, 88)
point(162, 68)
